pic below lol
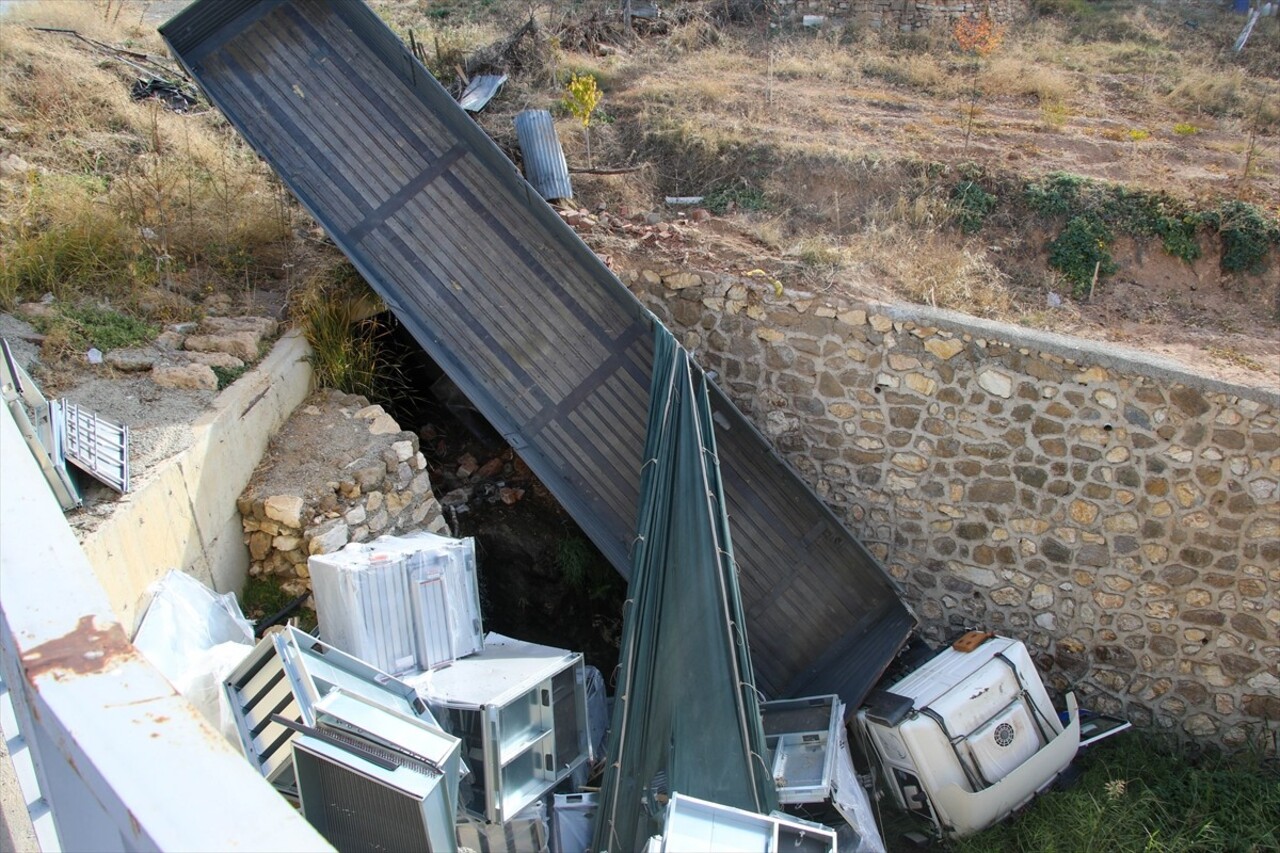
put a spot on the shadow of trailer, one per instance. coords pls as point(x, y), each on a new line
point(523, 317)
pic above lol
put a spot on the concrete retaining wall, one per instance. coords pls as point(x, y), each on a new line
point(905, 15)
point(185, 515)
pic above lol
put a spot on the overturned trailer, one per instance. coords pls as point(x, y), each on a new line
point(523, 317)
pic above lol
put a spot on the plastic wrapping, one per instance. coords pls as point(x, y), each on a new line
point(404, 604)
point(851, 800)
point(196, 637)
point(573, 819)
point(597, 714)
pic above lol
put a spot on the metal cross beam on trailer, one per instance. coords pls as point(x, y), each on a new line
point(523, 317)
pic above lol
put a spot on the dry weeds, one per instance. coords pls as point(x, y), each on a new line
point(107, 192)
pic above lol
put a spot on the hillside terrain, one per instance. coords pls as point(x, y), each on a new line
point(1103, 169)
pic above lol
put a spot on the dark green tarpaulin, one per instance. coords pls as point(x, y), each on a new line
point(686, 714)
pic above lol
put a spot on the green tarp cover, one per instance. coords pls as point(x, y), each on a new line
point(686, 712)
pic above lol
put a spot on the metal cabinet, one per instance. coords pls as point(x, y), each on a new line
point(405, 604)
point(520, 709)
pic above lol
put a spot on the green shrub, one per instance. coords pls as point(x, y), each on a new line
point(1248, 234)
point(972, 204)
point(1083, 247)
point(722, 199)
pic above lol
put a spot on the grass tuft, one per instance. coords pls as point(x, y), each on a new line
point(1137, 795)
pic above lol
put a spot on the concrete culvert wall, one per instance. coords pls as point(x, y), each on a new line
point(1116, 511)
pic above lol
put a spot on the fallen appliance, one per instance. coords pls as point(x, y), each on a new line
point(373, 779)
point(970, 736)
point(698, 826)
point(521, 711)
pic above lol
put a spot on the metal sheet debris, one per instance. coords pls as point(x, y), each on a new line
point(285, 676)
point(692, 825)
point(480, 91)
point(40, 423)
point(371, 779)
point(95, 445)
point(403, 603)
point(544, 164)
point(521, 706)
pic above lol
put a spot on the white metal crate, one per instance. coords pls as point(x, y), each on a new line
point(405, 603)
point(520, 709)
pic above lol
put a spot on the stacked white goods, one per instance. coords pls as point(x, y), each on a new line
point(404, 604)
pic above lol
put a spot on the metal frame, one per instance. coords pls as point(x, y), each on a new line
point(480, 694)
point(807, 745)
point(286, 675)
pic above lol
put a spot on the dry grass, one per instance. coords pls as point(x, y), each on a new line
point(923, 72)
point(932, 270)
point(1018, 76)
point(1208, 91)
point(115, 193)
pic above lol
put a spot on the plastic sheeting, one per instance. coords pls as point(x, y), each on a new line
point(196, 637)
point(573, 816)
point(685, 708)
point(851, 800)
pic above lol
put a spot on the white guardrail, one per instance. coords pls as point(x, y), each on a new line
point(108, 755)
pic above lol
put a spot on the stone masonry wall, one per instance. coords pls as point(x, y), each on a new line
point(1119, 514)
point(905, 15)
point(339, 471)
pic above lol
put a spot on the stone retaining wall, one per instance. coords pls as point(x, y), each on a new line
point(905, 15)
point(1119, 514)
point(339, 471)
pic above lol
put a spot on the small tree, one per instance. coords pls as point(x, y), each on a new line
point(979, 38)
point(582, 96)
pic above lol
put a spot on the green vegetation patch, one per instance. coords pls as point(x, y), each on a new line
point(584, 569)
point(228, 375)
point(972, 204)
point(1136, 795)
point(735, 197)
point(1094, 212)
point(1248, 234)
point(79, 328)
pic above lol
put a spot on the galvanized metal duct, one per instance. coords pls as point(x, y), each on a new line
point(544, 163)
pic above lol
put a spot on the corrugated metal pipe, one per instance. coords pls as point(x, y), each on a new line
point(544, 164)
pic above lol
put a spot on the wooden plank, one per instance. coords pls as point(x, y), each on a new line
point(311, 124)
